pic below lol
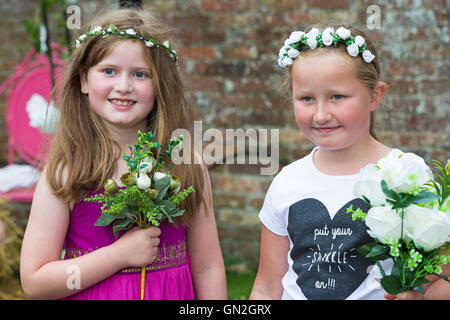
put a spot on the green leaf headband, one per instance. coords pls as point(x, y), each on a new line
point(312, 39)
point(127, 34)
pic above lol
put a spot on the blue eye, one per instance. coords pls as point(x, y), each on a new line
point(338, 96)
point(109, 71)
point(307, 99)
point(140, 75)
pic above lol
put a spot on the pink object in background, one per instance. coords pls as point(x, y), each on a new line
point(31, 77)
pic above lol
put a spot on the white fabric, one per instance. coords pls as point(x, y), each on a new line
point(302, 203)
point(18, 176)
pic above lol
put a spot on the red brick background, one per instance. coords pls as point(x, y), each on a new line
point(228, 53)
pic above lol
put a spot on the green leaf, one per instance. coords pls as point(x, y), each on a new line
point(392, 284)
point(374, 251)
point(379, 252)
point(425, 197)
point(119, 225)
point(162, 185)
point(105, 219)
point(419, 282)
point(366, 248)
point(396, 268)
point(388, 192)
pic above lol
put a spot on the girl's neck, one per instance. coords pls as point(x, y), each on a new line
point(125, 136)
point(349, 160)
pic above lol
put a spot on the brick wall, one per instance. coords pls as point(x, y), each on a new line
point(228, 51)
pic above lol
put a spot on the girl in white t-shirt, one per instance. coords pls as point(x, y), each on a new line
point(308, 240)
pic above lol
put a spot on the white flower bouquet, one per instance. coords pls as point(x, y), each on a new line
point(150, 194)
point(409, 218)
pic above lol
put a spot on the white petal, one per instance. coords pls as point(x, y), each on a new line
point(287, 61)
point(312, 43)
point(353, 50)
point(359, 40)
point(293, 53)
point(296, 36)
point(368, 56)
point(327, 39)
point(343, 33)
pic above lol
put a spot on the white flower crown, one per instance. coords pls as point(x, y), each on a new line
point(127, 34)
point(314, 38)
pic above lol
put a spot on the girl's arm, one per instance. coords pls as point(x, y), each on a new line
point(273, 266)
point(207, 267)
point(44, 275)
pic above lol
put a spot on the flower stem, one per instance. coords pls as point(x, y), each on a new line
point(142, 282)
point(381, 269)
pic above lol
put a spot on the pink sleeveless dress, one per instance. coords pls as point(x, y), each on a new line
point(168, 278)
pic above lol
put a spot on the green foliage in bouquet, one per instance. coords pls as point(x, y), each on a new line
point(415, 250)
point(149, 195)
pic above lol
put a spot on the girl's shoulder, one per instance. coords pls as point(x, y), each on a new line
point(299, 170)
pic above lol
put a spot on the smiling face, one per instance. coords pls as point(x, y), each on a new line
point(332, 107)
point(119, 87)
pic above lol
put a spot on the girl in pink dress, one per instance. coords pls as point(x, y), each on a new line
point(121, 78)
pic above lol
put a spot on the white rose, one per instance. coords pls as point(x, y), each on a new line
point(148, 43)
point(296, 36)
point(368, 56)
point(328, 30)
point(143, 181)
point(428, 228)
point(327, 39)
point(384, 223)
point(77, 43)
point(313, 33)
point(293, 53)
point(359, 40)
point(287, 62)
point(312, 42)
point(96, 29)
point(158, 176)
point(147, 166)
point(130, 32)
point(280, 63)
point(283, 52)
point(353, 50)
point(343, 33)
point(404, 172)
point(166, 44)
point(369, 185)
point(82, 37)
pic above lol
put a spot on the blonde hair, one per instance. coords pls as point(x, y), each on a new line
point(82, 148)
point(367, 73)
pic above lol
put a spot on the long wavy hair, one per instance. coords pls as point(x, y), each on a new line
point(83, 155)
point(368, 73)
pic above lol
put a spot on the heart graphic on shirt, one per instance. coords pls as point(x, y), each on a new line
point(324, 253)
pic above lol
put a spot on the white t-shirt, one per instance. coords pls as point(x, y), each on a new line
point(309, 207)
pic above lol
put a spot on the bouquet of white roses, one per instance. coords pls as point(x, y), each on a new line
point(150, 194)
point(409, 218)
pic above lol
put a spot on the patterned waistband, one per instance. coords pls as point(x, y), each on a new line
point(168, 255)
